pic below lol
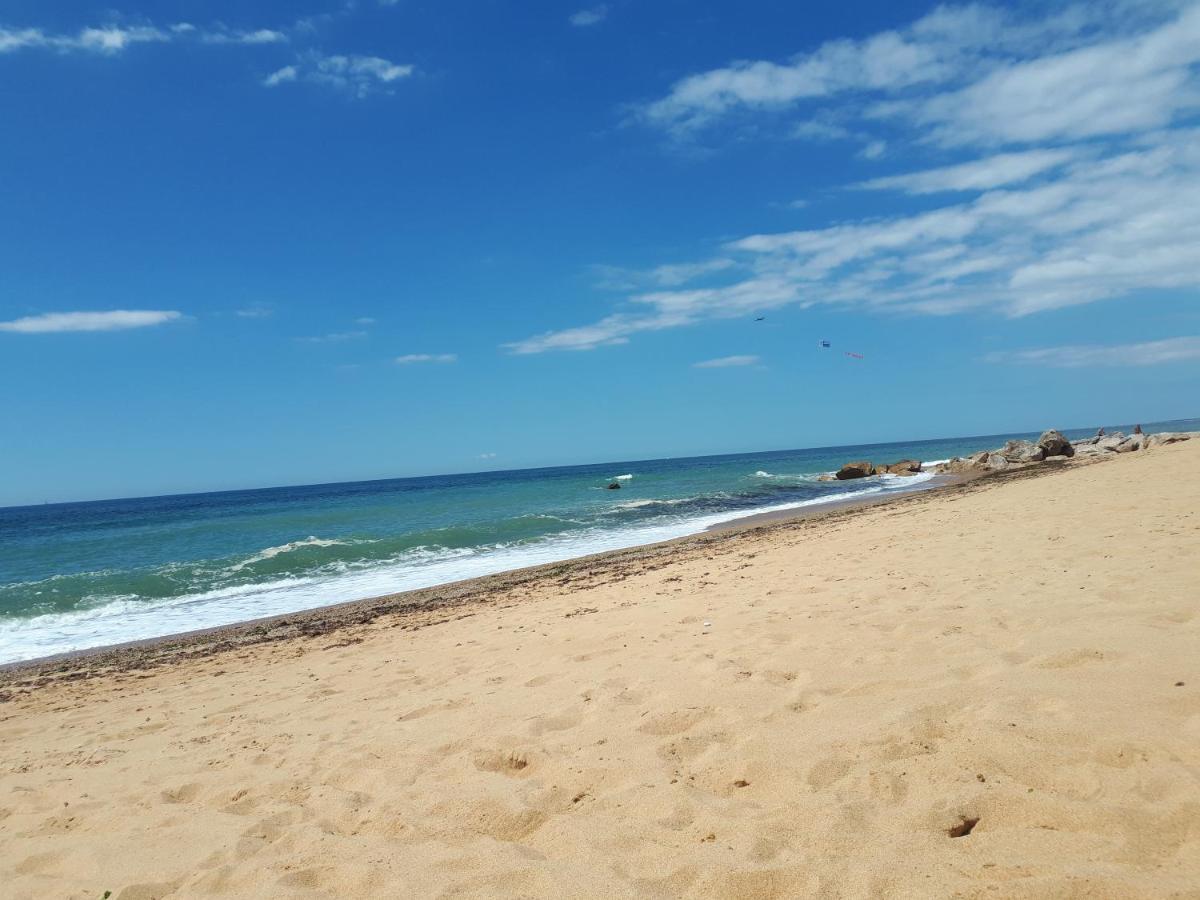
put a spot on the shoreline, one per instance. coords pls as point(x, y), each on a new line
point(989, 689)
point(422, 607)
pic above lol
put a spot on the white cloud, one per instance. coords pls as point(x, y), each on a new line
point(1113, 87)
point(334, 337)
point(980, 174)
point(357, 75)
point(114, 39)
point(873, 150)
point(364, 320)
point(258, 36)
point(281, 76)
point(970, 74)
point(1093, 194)
point(587, 17)
point(108, 320)
point(668, 275)
point(487, 456)
point(413, 358)
point(1150, 353)
point(255, 312)
point(726, 362)
point(1107, 226)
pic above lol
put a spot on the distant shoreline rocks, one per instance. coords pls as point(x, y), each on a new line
point(1050, 447)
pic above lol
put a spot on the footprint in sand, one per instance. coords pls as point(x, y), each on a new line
point(675, 722)
point(1070, 658)
point(828, 772)
point(511, 762)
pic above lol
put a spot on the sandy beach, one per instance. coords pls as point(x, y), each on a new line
point(990, 690)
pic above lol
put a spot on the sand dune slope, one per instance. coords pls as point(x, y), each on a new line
point(1027, 655)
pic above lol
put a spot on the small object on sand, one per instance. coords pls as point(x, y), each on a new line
point(708, 624)
point(964, 827)
point(614, 486)
point(741, 782)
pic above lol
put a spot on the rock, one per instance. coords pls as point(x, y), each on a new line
point(1111, 441)
point(1054, 444)
point(1057, 459)
point(1168, 437)
point(903, 467)
point(996, 461)
point(1131, 443)
point(860, 469)
point(826, 478)
point(1022, 452)
point(614, 486)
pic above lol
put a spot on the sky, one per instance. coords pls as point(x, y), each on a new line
point(257, 243)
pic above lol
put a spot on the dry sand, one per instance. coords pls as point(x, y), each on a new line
point(1023, 652)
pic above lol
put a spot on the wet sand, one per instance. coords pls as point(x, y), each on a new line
point(988, 690)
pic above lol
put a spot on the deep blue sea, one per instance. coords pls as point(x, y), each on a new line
point(79, 575)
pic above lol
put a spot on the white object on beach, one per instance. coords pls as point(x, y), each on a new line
point(708, 624)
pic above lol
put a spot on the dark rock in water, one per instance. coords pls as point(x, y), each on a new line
point(860, 469)
point(1054, 444)
point(903, 467)
point(614, 486)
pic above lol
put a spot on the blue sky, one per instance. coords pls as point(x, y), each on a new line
point(255, 243)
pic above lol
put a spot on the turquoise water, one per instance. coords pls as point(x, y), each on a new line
point(81, 575)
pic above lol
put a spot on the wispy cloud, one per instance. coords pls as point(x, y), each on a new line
point(588, 17)
point(334, 337)
point(667, 275)
point(108, 40)
point(487, 456)
point(359, 76)
point(726, 362)
point(108, 320)
point(1084, 183)
point(255, 312)
point(1149, 353)
point(258, 36)
point(413, 358)
point(364, 320)
point(979, 174)
point(114, 39)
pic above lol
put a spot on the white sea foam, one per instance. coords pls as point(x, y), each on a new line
point(119, 620)
point(272, 552)
point(623, 478)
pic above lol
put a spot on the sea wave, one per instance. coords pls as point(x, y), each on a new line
point(291, 547)
point(379, 568)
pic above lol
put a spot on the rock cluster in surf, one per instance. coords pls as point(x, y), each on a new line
point(864, 468)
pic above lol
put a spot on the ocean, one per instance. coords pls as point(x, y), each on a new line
point(81, 575)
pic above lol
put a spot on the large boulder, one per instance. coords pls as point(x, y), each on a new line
point(1054, 444)
point(860, 469)
point(1057, 459)
point(997, 461)
point(1131, 443)
point(1168, 437)
point(903, 467)
point(1022, 452)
